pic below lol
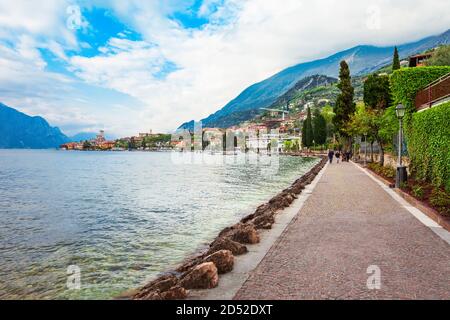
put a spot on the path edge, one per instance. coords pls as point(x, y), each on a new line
point(434, 226)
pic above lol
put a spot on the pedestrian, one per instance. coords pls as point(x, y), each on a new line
point(338, 156)
point(348, 155)
point(331, 155)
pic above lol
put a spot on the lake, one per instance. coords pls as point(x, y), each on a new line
point(120, 217)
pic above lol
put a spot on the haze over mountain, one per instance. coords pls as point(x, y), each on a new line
point(18, 130)
point(83, 136)
point(362, 60)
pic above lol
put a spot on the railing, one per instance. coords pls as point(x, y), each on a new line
point(435, 92)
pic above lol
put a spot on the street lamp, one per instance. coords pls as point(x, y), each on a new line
point(365, 149)
point(402, 175)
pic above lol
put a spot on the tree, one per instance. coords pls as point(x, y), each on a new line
point(396, 61)
point(319, 128)
point(377, 98)
point(328, 114)
point(132, 144)
point(345, 106)
point(359, 122)
point(377, 92)
point(307, 131)
point(441, 57)
point(87, 145)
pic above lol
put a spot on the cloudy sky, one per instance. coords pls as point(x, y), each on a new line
point(130, 66)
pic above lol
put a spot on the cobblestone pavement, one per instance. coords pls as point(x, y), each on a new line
point(348, 224)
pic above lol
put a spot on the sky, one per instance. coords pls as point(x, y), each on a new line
point(128, 66)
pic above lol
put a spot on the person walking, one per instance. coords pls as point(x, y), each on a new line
point(331, 155)
point(338, 156)
point(348, 155)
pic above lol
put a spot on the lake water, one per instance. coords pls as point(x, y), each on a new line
point(121, 217)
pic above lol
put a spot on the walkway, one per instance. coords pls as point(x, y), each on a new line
point(348, 224)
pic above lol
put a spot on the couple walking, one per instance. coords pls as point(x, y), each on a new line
point(345, 156)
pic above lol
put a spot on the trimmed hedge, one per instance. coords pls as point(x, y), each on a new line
point(427, 133)
point(405, 83)
point(429, 145)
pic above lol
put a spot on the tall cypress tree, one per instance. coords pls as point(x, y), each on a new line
point(307, 131)
point(345, 106)
point(304, 143)
point(320, 128)
point(396, 62)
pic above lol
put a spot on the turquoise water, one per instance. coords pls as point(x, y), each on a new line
point(122, 217)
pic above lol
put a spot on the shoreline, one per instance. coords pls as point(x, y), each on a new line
point(229, 258)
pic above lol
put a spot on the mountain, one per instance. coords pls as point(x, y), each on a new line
point(20, 131)
point(362, 60)
point(306, 85)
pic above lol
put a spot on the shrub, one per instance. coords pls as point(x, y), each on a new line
point(440, 58)
point(418, 192)
point(404, 185)
point(441, 200)
point(429, 145)
point(389, 172)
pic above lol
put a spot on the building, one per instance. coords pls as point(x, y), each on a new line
point(419, 59)
point(71, 146)
point(144, 135)
point(100, 139)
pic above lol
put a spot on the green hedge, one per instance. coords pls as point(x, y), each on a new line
point(405, 83)
point(427, 133)
point(429, 145)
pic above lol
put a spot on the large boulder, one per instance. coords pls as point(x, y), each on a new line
point(297, 188)
point(161, 284)
point(242, 233)
point(223, 260)
point(246, 233)
point(264, 221)
point(174, 293)
point(289, 198)
point(279, 202)
point(227, 244)
point(191, 263)
point(263, 209)
point(163, 288)
point(203, 276)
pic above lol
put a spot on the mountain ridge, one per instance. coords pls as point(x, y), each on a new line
point(21, 131)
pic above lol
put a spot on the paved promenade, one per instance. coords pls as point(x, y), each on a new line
point(348, 224)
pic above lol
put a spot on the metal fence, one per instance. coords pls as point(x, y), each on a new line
point(436, 92)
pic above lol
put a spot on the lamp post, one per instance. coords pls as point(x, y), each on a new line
point(365, 150)
point(402, 175)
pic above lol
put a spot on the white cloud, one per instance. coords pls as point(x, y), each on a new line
point(245, 42)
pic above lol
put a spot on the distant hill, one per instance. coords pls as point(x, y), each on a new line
point(362, 60)
point(20, 131)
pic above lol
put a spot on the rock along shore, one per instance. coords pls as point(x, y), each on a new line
point(203, 271)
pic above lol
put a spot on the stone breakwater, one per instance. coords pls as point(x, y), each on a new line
point(203, 271)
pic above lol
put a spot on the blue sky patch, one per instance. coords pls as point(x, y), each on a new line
point(102, 27)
